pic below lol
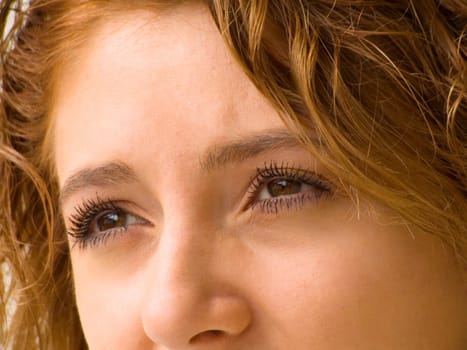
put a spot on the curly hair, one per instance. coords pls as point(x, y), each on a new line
point(380, 83)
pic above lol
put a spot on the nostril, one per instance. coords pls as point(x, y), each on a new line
point(207, 336)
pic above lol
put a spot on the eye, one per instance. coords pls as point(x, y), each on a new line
point(277, 187)
point(96, 221)
point(112, 220)
point(282, 187)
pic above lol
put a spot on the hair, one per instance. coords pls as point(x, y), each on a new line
point(380, 83)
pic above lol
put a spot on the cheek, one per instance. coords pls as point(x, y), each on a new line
point(109, 307)
point(361, 281)
point(306, 282)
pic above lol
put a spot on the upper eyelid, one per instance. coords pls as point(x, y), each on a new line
point(83, 210)
point(109, 202)
point(285, 170)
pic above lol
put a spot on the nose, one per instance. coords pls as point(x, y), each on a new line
point(190, 303)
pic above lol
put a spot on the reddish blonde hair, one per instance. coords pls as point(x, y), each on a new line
point(381, 83)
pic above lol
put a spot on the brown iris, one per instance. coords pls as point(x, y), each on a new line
point(283, 187)
point(111, 220)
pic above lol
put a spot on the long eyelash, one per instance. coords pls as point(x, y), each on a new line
point(284, 170)
point(81, 221)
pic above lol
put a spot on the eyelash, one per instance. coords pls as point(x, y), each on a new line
point(85, 214)
point(285, 171)
point(83, 217)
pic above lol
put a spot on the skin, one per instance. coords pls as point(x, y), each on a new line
point(196, 267)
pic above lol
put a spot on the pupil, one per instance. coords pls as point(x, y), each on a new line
point(111, 220)
point(283, 187)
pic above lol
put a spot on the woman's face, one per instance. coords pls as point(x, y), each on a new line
point(200, 223)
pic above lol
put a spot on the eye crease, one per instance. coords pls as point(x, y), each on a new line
point(274, 188)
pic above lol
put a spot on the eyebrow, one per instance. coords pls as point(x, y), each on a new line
point(216, 156)
point(236, 151)
point(112, 173)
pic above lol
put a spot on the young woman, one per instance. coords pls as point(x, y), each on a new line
point(249, 175)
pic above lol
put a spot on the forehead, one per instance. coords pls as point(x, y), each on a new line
point(159, 82)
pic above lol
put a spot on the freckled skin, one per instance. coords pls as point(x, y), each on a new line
point(155, 92)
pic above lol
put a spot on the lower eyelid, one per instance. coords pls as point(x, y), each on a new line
point(95, 240)
point(290, 202)
point(98, 239)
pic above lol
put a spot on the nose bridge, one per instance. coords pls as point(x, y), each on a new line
point(185, 296)
point(183, 262)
